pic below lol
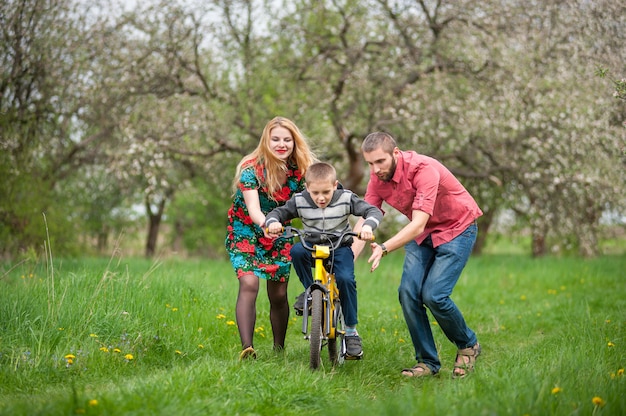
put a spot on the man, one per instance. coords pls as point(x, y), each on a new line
point(437, 240)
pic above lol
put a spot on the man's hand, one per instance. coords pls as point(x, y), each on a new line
point(377, 255)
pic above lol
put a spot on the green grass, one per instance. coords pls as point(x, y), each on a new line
point(544, 324)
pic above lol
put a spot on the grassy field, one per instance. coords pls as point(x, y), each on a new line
point(131, 337)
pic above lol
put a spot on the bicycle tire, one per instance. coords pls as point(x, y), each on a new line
point(336, 347)
point(315, 338)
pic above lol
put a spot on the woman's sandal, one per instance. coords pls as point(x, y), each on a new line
point(247, 353)
point(463, 368)
point(420, 370)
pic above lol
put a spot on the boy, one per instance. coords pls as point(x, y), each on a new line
point(326, 207)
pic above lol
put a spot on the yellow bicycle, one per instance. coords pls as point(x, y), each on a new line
point(321, 300)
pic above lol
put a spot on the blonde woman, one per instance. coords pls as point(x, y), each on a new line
point(264, 180)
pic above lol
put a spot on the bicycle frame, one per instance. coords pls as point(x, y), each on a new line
point(326, 314)
point(324, 281)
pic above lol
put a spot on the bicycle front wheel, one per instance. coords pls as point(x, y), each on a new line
point(315, 339)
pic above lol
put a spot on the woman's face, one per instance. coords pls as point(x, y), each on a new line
point(281, 142)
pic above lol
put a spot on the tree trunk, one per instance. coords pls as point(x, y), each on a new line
point(538, 244)
point(484, 223)
point(154, 223)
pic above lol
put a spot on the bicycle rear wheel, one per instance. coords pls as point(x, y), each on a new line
point(315, 339)
point(336, 346)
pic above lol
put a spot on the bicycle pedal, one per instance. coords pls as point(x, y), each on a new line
point(299, 312)
point(352, 357)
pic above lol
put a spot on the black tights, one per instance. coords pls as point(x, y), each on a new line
point(246, 310)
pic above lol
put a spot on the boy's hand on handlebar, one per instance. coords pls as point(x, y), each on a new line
point(366, 233)
point(274, 229)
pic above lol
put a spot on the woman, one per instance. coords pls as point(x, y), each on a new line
point(264, 180)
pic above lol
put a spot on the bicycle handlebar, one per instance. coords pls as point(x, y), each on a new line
point(291, 231)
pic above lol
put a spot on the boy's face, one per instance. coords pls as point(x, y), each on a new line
point(322, 192)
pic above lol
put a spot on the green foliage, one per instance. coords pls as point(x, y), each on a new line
point(552, 330)
point(103, 108)
point(195, 217)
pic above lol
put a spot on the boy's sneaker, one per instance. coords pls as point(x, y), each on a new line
point(299, 305)
point(354, 350)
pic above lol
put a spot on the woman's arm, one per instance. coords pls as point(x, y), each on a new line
point(253, 204)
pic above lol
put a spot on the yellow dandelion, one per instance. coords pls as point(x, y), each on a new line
point(70, 356)
point(523, 297)
point(610, 344)
point(117, 350)
point(61, 329)
point(104, 349)
point(556, 390)
point(563, 288)
point(69, 361)
point(401, 340)
point(221, 316)
point(178, 352)
point(93, 402)
point(230, 322)
point(620, 372)
point(93, 335)
point(608, 321)
point(597, 401)
point(167, 305)
point(382, 330)
point(200, 346)
point(174, 309)
point(129, 357)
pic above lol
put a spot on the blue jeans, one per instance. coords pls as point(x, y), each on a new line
point(428, 278)
point(343, 267)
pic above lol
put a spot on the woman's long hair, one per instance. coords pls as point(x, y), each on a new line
point(263, 158)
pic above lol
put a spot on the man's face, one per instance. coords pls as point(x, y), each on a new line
point(321, 192)
point(381, 163)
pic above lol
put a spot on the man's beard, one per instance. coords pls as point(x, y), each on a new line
point(392, 171)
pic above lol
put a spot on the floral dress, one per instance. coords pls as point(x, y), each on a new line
point(249, 250)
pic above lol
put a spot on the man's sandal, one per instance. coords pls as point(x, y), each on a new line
point(420, 370)
point(465, 360)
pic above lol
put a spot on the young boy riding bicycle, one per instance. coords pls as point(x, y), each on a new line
point(326, 207)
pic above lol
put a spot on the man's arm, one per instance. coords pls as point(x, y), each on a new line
point(357, 244)
point(407, 233)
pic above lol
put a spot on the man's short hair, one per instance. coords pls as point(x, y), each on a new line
point(379, 140)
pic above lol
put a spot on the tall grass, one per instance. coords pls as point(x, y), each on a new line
point(129, 336)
